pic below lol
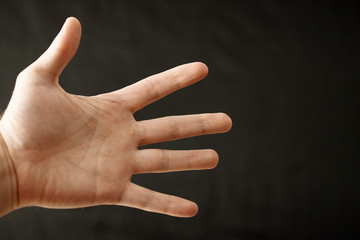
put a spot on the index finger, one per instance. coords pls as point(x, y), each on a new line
point(152, 88)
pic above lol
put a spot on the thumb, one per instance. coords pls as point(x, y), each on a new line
point(62, 49)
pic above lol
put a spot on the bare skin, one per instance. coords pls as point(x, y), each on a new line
point(61, 150)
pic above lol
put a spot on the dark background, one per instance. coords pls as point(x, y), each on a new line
point(286, 72)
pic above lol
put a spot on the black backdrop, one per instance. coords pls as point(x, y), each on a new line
point(288, 75)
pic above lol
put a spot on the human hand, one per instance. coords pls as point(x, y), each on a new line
point(68, 151)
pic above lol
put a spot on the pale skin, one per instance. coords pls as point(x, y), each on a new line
point(59, 150)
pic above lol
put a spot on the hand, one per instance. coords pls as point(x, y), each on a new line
point(68, 151)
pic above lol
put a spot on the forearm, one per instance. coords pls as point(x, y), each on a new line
point(8, 185)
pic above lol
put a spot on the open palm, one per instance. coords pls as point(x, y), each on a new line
point(73, 151)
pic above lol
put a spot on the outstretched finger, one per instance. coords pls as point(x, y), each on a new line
point(146, 91)
point(61, 50)
point(177, 127)
point(148, 200)
point(156, 160)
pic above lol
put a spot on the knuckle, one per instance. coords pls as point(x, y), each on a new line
point(164, 160)
point(139, 131)
point(204, 124)
point(173, 127)
point(152, 89)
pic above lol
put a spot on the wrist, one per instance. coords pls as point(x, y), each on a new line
point(8, 182)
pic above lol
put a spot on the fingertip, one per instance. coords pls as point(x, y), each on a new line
point(74, 21)
point(185, 209)
point(202, 69)
point(196, 71)
point(226, 122)
point(74, 25)
point(192, 210)
point(213, 158)
point(71, 18)
point(209, 159)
